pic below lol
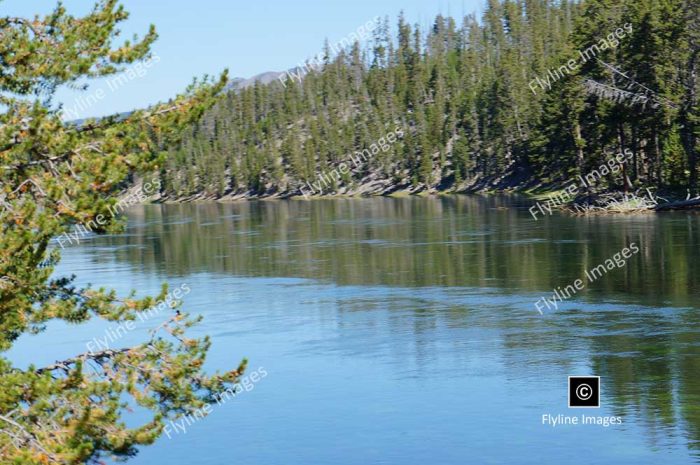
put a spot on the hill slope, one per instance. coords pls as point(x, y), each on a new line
point(533, 93)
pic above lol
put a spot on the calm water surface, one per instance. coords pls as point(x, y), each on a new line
point(403, 331)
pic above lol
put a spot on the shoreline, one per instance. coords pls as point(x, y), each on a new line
point(554, 196)
point(580, 206)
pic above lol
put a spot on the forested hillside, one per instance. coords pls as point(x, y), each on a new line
point(534, 92)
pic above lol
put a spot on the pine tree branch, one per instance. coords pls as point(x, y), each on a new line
point(100, 124)
point(617, 95)
point(65, 365)
point(654, 94)
point(28, 437)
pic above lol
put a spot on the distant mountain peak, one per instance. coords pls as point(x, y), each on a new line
point(262, 78)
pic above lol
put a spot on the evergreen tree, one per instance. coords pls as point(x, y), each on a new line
point(56, 175)
point(464, 98)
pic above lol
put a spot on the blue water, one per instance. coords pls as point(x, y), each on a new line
point(374, 362)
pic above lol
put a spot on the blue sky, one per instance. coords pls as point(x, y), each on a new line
point(246, 36)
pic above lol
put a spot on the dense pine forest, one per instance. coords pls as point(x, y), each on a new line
point(532, 94)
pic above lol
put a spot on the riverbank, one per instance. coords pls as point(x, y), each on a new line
point(604, 202)
point(553, 196)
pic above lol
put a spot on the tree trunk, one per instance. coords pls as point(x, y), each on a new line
point(657, 158)
point(621, 141)
point(688, 127)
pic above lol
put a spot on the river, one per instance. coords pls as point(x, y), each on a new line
point(405, 330)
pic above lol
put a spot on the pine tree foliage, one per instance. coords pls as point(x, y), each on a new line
point(54, 175)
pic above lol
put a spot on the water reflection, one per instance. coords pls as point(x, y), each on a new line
point(465, 271)
point(448, 241)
